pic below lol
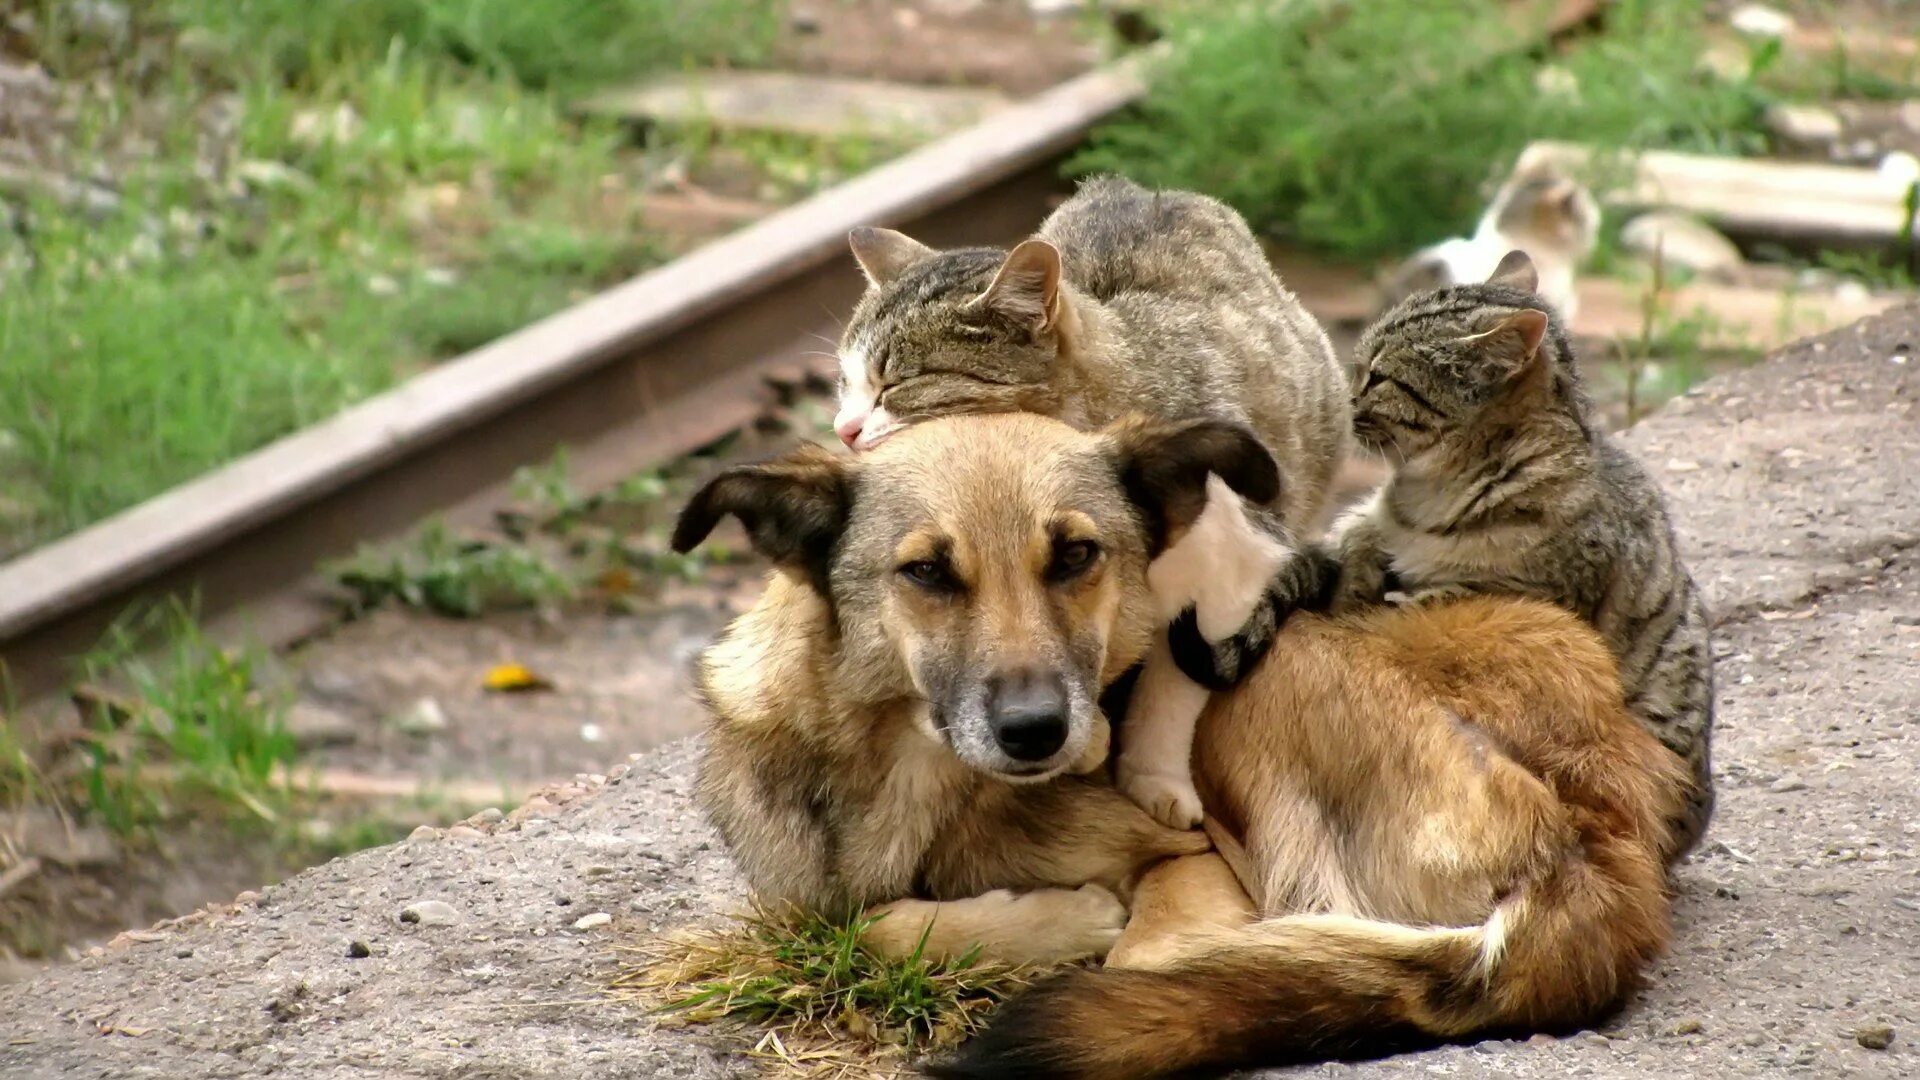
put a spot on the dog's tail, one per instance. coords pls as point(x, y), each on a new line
point(1556, 953)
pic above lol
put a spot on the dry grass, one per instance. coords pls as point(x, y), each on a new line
point(814, 1001)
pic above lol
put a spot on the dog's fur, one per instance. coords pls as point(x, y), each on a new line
point(1445, 816)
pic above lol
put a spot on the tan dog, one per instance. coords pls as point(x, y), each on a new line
point(1448, 819)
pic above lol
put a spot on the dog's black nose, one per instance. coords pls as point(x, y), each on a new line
point(1028, 712)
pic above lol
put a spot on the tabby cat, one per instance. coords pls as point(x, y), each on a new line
point(1504, 484)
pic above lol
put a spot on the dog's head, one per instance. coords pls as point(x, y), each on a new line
point(990, 567)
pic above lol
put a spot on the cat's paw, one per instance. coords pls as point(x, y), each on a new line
point(1430, 597)
point(1086, 920)
point(1170, 798)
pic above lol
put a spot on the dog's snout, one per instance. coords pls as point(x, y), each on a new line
point(1028, 711)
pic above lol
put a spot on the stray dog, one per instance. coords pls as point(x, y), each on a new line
point(1444, 819)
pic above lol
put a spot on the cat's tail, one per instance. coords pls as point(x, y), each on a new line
point(1555, 954)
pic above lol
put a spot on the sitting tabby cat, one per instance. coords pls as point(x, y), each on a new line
point(1126, 301)
point(1505, 485)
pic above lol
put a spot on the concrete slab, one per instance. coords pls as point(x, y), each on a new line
point(1797, 484)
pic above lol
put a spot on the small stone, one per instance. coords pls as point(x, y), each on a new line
point(1874, 1036)
point(423, 832)
point(1806, 125)
point(273, 176)
point(424, 717)
point(183, 954)
point(1542, 1039)
point(1761, 21)
point(314, 726)
point(490, 816)
point(246, 899)
point(1688, 1026)
point(1906, 620)
point(430, 913)
point(1900, 167)
point(1785, 785)
point(593, 921)
point(464, 832)
point(359, 950)
point(1681, 240)
point(1594, 1038)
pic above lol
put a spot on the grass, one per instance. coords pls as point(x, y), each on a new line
point(1671, 353)
point(822, 1000)
point(555, 544)
point(185, 727)
point(448, 575)
point(325, 199)
point(1257, 106)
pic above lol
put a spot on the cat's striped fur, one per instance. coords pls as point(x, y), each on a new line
point(1505, 485)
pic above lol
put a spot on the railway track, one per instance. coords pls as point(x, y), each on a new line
point(633, 377)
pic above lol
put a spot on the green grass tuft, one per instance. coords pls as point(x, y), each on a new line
point(821, 995)
point(195, 726)
point(443, 573)
point(1373, 128)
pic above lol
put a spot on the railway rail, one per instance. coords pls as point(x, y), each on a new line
point(633, 377)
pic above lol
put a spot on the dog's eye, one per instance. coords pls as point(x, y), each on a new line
point(1072, 559)
point(931, 574)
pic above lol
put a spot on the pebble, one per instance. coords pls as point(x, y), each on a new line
point(1681, 240)
point(593, 921)
point(465, 832)
point(1688, 1026)
point(423, 832)
point(1542, 1039)
point(313, 726)
point(1874, 1036)
point(424, 718)
point(490, 816)
point(1761, 21)
point(359, 950)
point(1808, 125)
point(1786, 784)
point(430, 913)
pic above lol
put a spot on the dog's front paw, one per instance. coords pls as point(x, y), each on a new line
point(1090, 919)
point(1169, 797)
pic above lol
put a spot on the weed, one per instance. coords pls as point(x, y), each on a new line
point(463, 578)
point(1673, 350)
point(194, 725)
point(820, 992)
point(325, 199)
point(1375, 129)
point(537, 43)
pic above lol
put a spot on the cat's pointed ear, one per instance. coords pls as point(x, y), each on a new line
point(1516, 271)
point(1515, 340)
point(1164, 468)
point(794, 509)
point(1027, 287)
point(884, 254)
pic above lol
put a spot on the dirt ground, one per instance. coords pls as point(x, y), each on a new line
point(1794, 484)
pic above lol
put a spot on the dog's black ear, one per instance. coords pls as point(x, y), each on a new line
point(794, 509)
point(1164, 467)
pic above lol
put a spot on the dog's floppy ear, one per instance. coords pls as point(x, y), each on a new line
point(794, 509)
point(1164, 467)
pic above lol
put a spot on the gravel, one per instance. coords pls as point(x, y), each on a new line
point(1797, 485)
